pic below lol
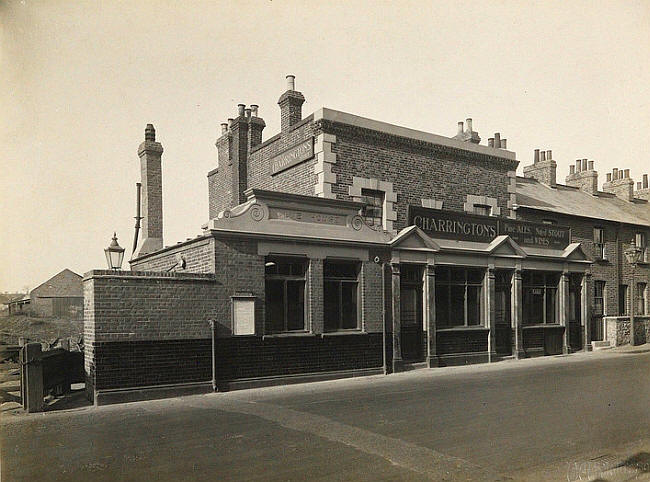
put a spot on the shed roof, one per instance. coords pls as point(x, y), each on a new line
point(66, 283)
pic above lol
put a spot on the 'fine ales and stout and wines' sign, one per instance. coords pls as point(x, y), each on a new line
point(469, 227)
point(292, 156)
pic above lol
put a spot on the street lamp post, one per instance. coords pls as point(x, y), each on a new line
point(114, 254)
point(633, 255)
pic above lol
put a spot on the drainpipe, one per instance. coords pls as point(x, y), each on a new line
point(214, 358)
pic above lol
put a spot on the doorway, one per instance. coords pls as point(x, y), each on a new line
point(411, 312)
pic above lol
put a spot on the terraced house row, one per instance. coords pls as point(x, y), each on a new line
point(344, 246)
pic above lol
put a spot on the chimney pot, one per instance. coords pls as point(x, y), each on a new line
point(542, 156)
point(254, 109)
point(224, 127)
point(497, 140)
point(615, 174)
point(609, 177)
point(230, 121)
point(240, 109)
point(491, 142)
point(150, 133)
point(247, 111)
point(468, 123)
point(291, 82)
point(578, 165)
point(572, 169)
point(638, 186)
point(626, 173)
point(645, 181)
point(549, 155)
point(584, 164)
point(504, 143)
point(460, 127)
point(591, 165)
point(536, 158)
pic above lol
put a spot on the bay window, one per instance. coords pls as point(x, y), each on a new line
point(458, 296)
point(540, 297)
point(285, 294)
point(340, 295)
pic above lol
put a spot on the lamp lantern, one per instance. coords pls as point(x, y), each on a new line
point(114, 254)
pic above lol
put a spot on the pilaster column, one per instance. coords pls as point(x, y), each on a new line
point(585, 310)
point(316, 299)
point(490, 311)
point(565, 305)
point(397, 325)
point(517, 314)
point(432, 351)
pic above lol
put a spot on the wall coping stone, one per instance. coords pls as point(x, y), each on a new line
point(173, 276)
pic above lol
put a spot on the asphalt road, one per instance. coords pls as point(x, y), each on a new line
point(540, 419)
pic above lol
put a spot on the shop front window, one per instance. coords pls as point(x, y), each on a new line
point(285, 294)
point(341, 295)
point(458, 296)
point(540, 299)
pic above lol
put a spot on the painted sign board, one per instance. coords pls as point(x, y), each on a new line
point(292, 156)
point(470, 227)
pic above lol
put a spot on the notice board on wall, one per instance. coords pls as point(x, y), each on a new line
point(243, 315)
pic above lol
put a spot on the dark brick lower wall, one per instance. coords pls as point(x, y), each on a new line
point(462, 341)
point(251, 357)
point(128, 364)
point(147, 363)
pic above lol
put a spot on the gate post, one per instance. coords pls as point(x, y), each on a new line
point(32, 377)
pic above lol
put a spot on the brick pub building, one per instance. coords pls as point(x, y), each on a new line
point(345, 246)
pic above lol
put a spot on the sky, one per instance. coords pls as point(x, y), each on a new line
point(80, 80)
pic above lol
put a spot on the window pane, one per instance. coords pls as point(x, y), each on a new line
point(458, 276)
point(551, 305)
point(473, 305)
point(475, 276)
point(331, 304)
point(442, 274)
point(349, 305)
point(502, 305)
point(275, 305)
point(442, 305)
point(457, 314)
point(295, 305)
point(533, 305)
point(340, 270)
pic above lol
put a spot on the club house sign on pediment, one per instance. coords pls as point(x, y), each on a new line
point(467, 227)
point(292, 156)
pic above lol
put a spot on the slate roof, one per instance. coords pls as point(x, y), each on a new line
point(67, 283)
point(572, 201)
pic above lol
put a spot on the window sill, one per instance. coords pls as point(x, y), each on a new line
point(601, 261)
point(299, 334)
point(464, 328)
point(342, 333)
point(542, 325)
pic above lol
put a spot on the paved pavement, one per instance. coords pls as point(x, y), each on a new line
point(554, 418)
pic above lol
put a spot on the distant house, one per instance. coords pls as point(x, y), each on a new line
point(15, 303)
point(60, 296)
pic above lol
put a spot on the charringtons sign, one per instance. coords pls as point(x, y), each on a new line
point(469, 227)
point(292, 156)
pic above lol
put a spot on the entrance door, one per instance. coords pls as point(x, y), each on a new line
point(411, 313)
point(503, 327)
point(575, 313)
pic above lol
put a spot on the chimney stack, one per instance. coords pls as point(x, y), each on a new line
point(469, 135)
point(256, 126)
point(497, 140)
point(150, 154)
point(583, 176)
point(542, 169)
point(491, 142)
point(504, 143)
point(643, 190)
point(224, 128)
point(254, 109)
point(621, 185)
point(290, 105)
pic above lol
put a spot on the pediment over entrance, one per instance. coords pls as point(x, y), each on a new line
point(413, 238)
point(505, 246)
point(574, 252)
